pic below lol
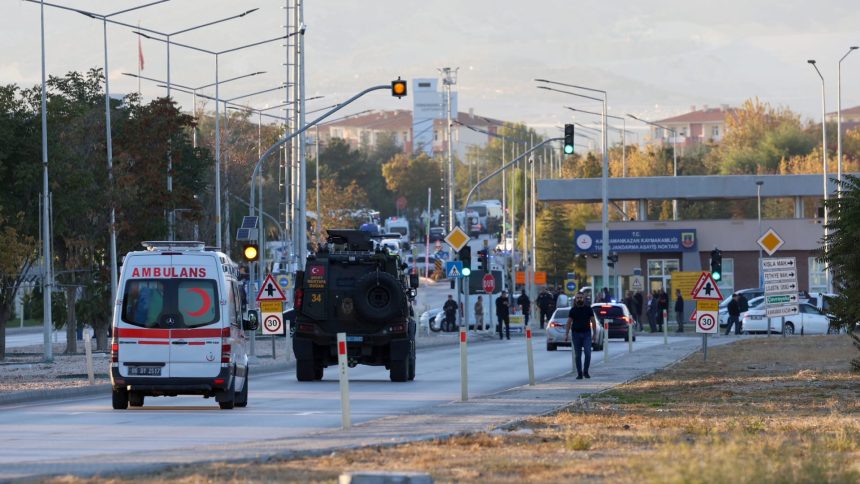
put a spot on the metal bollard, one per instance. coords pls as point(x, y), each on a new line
point(464, 362)
point(530, 355)
point(344, 380)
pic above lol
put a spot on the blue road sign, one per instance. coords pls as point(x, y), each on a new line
point(454, 269)
point(571, 286)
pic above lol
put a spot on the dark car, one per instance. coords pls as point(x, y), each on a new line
point(617, 316)
point(437, 233)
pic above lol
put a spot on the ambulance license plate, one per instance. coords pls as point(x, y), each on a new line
point(144, 370)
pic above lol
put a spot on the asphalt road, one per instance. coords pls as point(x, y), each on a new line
point(85, 435)
point(30, 336)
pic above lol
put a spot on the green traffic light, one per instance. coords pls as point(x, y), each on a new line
point(466, 272)
point(716, 276)
point(568, 149)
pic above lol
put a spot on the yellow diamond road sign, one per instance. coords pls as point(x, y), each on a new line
point(770, 241)
point(457, 239)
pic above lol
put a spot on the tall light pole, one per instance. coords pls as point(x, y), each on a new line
point(449, 80)
point(758, 185)
point(623, 132)
point(604, 179)
point(823, 165)
point(217, 55)
point(109, 140)
point(47, 278)
point(839, 120)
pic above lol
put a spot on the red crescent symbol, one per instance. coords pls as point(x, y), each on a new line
point(207, 302)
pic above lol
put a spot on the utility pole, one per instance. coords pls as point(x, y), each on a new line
point(450, 78)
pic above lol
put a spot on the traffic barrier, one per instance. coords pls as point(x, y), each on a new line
point(344, 380)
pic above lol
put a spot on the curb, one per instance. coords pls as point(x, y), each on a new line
point(30, 396)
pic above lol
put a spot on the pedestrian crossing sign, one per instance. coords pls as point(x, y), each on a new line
point(454, 269)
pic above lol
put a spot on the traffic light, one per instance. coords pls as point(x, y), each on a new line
point(568, 139)
point(465, 256)
point(716, 264)
point(483, 260)
point(398, 88)
point(251, 252)
point(612, 260)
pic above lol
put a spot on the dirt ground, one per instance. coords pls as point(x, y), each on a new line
point(760, 410)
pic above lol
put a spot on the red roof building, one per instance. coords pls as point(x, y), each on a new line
point(706, 125)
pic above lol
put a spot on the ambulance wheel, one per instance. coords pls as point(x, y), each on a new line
point(242, 397)
point(135, 399)
point(120, 398)
point(227, 398)
point(319, 370)
point(305, 370)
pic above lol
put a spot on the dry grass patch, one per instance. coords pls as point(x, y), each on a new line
point(761, 410)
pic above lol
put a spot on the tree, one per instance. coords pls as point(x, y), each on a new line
point(842, 256)
point(410, 177)
point(555, 253)
point(15, 259)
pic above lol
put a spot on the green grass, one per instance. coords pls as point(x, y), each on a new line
point(651, 399)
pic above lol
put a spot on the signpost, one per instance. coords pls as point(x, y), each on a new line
point(780, 282)
point(707, 295)
point(271, 300)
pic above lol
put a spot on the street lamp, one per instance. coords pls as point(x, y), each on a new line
point(217, 55)
point(758, 185)
point(604, 180)
point(839, 120)
point(674, 157)
point(823, 165)
point(109, 143)
point(623, 131)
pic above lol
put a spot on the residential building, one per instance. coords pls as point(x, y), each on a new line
point(699, 126)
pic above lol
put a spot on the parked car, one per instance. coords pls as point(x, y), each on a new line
point(750, 294)
point(617, 316)
point(555, 332)
point(428, 318)
point(810, 320)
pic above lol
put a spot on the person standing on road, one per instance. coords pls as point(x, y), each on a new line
point(605, 296)
point(637, 309)
point(544, 300)
point(450, 308)
point(679, 310)
point(503, 314)
point(479, 314)
point(734, 315)
point(662, 309)
point(743, 303)
point(652, 311)
point(580, 322)
point(525, 305)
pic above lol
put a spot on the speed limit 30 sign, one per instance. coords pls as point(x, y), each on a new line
point(706, 322)
point(273, 323)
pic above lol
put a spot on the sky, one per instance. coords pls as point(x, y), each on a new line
point(654, 58)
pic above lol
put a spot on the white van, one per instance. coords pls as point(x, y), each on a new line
point(399, 226)
point(178, 326)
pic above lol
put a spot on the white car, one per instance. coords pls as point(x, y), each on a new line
point(808, 321)
point(427, 316)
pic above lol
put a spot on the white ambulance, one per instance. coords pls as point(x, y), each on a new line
point(178, 326)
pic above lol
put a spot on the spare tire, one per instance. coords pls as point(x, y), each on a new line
point(378, 297)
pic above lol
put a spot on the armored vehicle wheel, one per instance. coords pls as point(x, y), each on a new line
point(319, 371)
point(399, 370)
point(305, 370)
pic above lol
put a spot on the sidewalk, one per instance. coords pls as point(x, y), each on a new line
point(481, 413)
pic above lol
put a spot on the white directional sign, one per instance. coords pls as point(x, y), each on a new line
point(781, 299)
point(777, 311)
point(778, 263)
point(779, 276)
point(780, 287)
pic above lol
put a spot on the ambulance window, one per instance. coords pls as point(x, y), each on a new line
point(197, 300)
point(143, 303)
